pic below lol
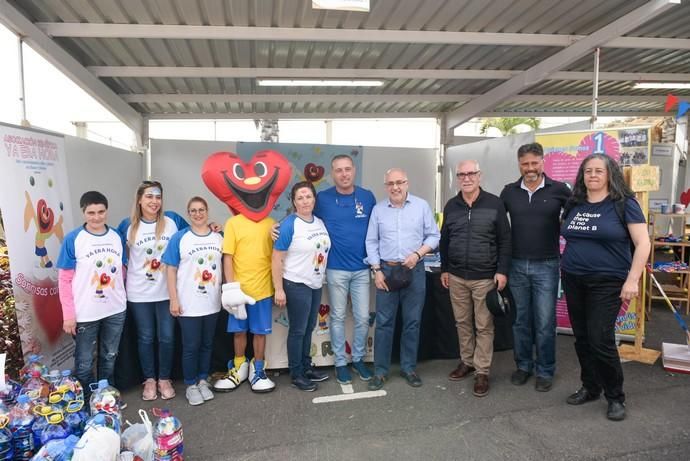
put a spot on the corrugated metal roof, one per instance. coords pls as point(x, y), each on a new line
point(234, 94)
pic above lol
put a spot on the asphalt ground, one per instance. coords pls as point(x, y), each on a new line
point(442, 419)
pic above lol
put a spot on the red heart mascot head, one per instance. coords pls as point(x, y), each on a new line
point(45, 216)
point(250, 189)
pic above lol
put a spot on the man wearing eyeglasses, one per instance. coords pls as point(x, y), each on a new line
point(534, 203)
point(401, 231)
point(475, 258)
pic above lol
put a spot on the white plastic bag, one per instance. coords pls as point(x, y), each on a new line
point(97, 444)
point(138, 438)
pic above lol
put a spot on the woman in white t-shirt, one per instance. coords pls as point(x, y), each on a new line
point(299, 269)
point(194, 271)
point(146, 235)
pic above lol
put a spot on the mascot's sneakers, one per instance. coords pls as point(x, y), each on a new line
point(258, 380)
point(232, 379)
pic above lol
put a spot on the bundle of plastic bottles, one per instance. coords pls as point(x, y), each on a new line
point(44, 417)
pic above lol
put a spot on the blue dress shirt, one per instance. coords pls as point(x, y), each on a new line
point(394, 233)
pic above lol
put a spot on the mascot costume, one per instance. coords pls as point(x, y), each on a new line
point(250, 190)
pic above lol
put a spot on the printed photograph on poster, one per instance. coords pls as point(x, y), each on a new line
point(37, 212)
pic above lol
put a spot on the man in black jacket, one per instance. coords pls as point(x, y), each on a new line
point(534, 203)
point(475, 257)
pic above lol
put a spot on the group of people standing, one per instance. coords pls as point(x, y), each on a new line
point(481, 250)
point(342, 236)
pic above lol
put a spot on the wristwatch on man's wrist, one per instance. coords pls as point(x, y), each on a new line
point(374, 270)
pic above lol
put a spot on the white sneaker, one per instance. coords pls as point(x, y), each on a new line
point(259, 381)
point(194, 396)
point(233, 379)
point(205, 389)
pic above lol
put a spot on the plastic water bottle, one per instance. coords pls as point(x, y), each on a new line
point(57, 428)
point(168, 437)
point(21, 421)
point(76, 416)
point(53, 378)
point(105, 399)
point(57, 450)
point(103, 420)
point(73, 384)
point(36, 388)
point(41, 422)
point(33, 363)
point(6, 449)
point(9, 394)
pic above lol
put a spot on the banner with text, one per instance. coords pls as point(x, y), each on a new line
point(36, 211)
point(563, 153)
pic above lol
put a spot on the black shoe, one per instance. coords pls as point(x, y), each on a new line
point(412, 378)
point(581, 396)
point(303, 384)
point(519, 377)
point(543, 384)
point(376, 383)
point(616, 411)
point(315, 376)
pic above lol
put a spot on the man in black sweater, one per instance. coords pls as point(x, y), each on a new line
point(534, 203)
point(475, 258)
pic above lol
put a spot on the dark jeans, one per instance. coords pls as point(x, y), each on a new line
point(387, 303)
point(593, 305)
point(302, 309)
point(152, 318)
point(104, 333)
point(197, 346)
point(534, 285)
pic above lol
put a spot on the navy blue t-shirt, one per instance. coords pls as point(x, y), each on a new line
point(596, 240)
point(346, 218)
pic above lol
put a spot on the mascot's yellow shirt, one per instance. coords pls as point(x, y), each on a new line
point(251, 248)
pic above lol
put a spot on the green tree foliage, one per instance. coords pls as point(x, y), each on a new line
point(507, 125)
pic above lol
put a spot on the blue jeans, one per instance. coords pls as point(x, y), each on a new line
point(356, 283)
point(151, 318)
point(387, 302)
point(534, 285)
point(197, 346)
point(302, 309)
point(105, 332)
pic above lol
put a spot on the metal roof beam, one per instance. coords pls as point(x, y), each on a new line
point(373, 98)
point(568, 55)
point(385, 115)
point(193, 32)
point(69, 66)
point(291, 115)
point(431, 74)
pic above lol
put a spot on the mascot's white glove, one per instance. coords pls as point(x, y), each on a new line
point(234, 299)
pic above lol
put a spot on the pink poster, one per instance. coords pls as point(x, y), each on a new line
point(563, 154)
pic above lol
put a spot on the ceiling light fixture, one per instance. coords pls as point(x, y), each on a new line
point(662, 85)
point(284, 82)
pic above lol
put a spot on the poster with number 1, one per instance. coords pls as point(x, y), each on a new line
point(563, 154)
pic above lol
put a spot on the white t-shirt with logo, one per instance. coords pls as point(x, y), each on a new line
point(146, 280)
point(98, 285)
point(198, 259)
point(307, 245)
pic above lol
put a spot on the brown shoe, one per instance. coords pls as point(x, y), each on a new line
point(481, 385)
point(460, 372)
